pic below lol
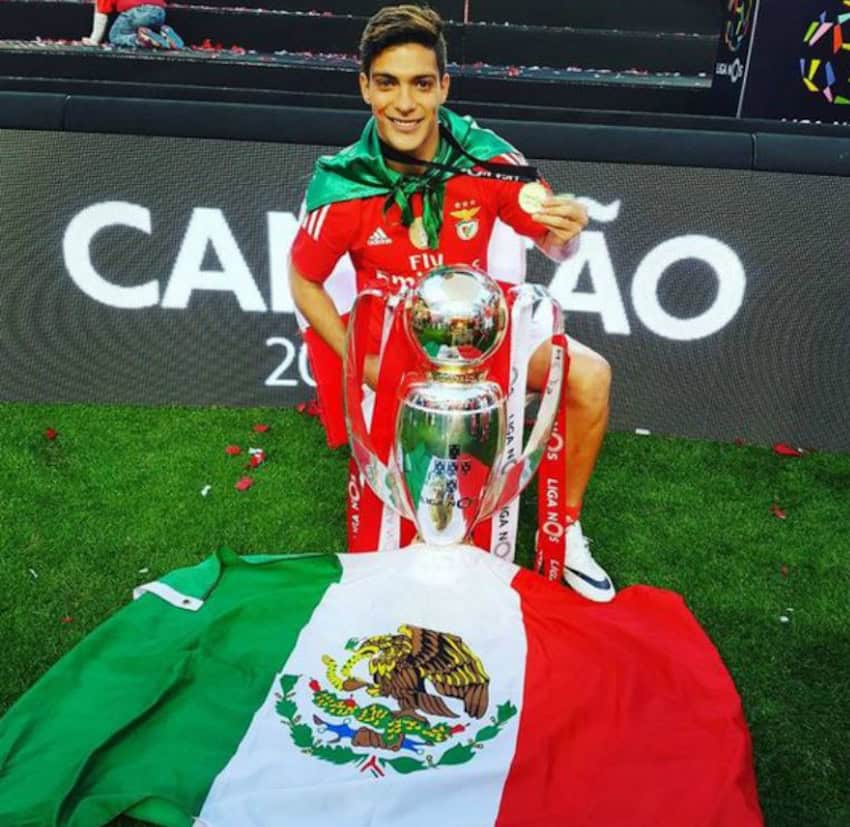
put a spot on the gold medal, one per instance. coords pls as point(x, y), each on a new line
point(532, 196)
point(417, 235)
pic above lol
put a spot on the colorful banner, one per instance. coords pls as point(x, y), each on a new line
point(799, 65)
point(733, 55)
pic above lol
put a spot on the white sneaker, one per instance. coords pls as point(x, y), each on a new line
point(581, 572)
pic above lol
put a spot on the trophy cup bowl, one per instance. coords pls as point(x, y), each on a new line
point(447, 467)
point(450, 428)
point(457, 317)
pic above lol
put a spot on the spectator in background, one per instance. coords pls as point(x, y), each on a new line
point(140, 24)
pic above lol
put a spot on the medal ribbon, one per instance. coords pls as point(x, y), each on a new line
point(361, 171)
point(371, 525)
point(489, 169)
point(432, 184)
point(550, 554)
point(503, 539)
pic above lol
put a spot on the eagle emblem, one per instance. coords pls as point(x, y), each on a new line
point(420, 692)
point(467, 223)
point(401, 664)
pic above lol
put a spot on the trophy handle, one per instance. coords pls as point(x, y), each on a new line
point(531, 301)
point(382, 478)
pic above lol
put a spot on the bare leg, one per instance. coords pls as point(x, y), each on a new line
point(588, 393)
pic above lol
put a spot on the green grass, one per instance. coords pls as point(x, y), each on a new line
point(119, 491)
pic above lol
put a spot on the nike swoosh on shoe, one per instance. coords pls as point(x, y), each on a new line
point(603, 584)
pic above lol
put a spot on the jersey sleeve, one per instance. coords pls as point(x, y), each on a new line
point(324, 236)
point(507, 202)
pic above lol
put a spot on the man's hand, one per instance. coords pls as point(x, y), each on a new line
point(565, 218)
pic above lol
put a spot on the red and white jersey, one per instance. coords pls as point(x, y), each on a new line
point(387, 255)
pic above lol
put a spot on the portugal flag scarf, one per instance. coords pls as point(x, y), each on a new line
point(360, 171)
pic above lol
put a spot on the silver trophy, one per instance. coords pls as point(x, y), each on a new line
point(456, 454)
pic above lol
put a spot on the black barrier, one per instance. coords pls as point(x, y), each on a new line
point(24, 110)
point(152, 270)
point(627, 137)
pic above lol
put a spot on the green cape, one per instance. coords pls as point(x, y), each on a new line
point(360, 171)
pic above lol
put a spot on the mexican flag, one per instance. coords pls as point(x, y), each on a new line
point(425, 686)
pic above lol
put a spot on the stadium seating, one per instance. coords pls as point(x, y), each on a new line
point(606, 55)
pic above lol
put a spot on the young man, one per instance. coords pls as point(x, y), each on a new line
point(398, 218)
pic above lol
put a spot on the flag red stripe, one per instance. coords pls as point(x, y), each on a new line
point(628, 717)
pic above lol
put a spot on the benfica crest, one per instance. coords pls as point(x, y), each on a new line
point(467, 226)
point(416, 673)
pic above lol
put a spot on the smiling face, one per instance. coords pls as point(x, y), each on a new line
point(405, 91)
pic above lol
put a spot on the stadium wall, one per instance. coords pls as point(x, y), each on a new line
point(144, 261)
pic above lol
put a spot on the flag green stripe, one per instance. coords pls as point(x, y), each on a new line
point(142, 715)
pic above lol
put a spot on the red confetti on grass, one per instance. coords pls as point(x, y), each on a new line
point(244, 484)
point(233, 450)
point(259, 428)
point(67, 619)
point(311, 408)
point(50, 434)
point(257, 459)
point(777, 512)
point(783, 449)
point(783, 569)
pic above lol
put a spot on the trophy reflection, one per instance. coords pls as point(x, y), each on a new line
point(447, 464)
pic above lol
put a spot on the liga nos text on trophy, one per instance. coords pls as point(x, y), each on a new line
point(442, 442)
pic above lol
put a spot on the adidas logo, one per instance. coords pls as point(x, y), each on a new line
point(378, 237)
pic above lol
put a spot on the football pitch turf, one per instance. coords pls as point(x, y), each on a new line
point(757, 543)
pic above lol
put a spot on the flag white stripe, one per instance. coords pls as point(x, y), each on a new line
point(269, 775)
point(507, 521)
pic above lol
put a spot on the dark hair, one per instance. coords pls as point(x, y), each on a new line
point(394, 25)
